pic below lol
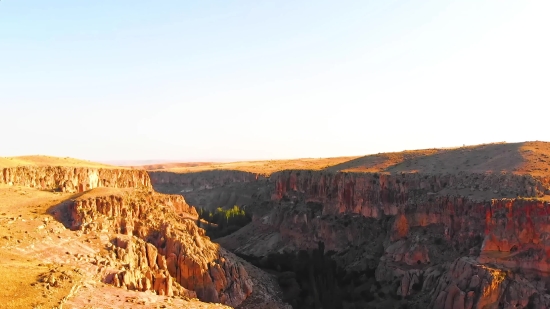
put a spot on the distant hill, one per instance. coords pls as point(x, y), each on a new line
point(39, 160)
point(519, 158)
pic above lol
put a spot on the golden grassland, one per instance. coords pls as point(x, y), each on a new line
point(260, 167)
point(520, 158)
point(49, 161)
point(19, 273)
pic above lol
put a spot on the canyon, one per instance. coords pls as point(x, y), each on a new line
point(93, 235)
point(452, 228)
point(440, 228)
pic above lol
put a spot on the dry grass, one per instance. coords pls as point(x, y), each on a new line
point(20, 212)
point(262, 167)
point(519, 158)
point(20, 287)
point(382, 161)
point(106, 191)
point(16, 200)
point(49, 161)
point(164, 166)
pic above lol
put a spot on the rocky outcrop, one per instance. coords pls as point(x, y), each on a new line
point(467, 284)
point(166, 251)
point(137, 213)
point(519, 230)
point(146, 269)
point(202, 180)
point(73, 179)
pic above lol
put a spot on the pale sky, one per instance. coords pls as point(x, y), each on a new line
point(235, 80)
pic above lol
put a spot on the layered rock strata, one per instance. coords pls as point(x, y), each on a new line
point(73, 179)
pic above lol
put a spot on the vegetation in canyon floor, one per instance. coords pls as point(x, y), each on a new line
point(223, 221)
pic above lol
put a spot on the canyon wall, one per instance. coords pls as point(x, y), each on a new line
point(204, 179)
point(374, 194)
point(506, 225)
point(73, 179)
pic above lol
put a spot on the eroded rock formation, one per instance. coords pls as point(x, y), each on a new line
point(468, 284)
point(163, 249)
point(73, 179)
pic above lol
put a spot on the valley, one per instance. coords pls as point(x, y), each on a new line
point(438, 228)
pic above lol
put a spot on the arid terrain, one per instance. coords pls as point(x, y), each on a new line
point(462, 227)
point(76, 234)
point(258, 167)
point(521, 158)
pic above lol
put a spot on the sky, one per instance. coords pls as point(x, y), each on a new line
point(243, 80)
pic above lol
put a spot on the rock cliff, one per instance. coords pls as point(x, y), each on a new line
point(163, 248)
point(374, 194)
point(73, 179)
point(506, 224)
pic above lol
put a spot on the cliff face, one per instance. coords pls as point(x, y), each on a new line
point(165, 249)
point(70, 179)
point(202, 180)
point(373, 194)
point(505, 225)
point(517, 234)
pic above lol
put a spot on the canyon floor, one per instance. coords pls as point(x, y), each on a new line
point(464, 227)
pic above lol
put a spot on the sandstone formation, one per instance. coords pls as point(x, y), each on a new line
point(163, 249)
point(73, 179)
